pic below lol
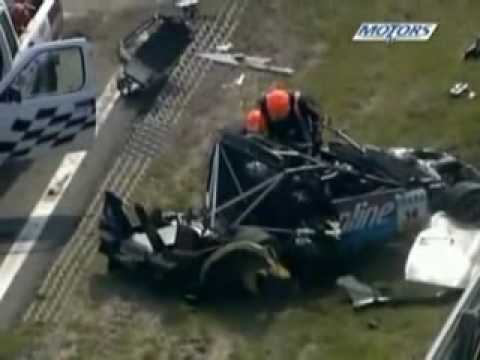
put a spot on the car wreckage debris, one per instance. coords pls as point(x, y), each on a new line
point(174, 246)
point(445, 253)
point(242, 60)
point(274, 214)
point(462, 88)
point(363, 295)
point(143, 66)
point(473, 51)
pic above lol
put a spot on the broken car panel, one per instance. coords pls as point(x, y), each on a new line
point(152, 50)
point(178, 248)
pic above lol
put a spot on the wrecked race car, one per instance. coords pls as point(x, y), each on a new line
point(346, 199)
point(175, 248)
point(276, 215)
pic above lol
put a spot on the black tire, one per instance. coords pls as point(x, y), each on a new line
point(237, 266)
point(462, 203)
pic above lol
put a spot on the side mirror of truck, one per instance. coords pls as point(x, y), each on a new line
point(11, 95)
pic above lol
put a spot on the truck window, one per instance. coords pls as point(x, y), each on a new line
point(9, 34)
point(54, 72)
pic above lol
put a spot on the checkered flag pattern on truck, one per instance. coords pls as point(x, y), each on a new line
point(46, 129)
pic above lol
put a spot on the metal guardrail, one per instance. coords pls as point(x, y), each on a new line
point(146, 143)
point(450, 340)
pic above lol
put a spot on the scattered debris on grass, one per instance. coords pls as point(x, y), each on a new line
point(473, 51)
point(462, 88)
point(246, 61)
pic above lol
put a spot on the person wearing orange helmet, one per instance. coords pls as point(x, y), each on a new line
point(255, 123)
point(290, 118)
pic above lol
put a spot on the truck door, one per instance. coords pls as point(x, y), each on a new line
point(47, 101)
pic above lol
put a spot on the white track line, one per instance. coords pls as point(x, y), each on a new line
point(38, 219)
point(27, 239)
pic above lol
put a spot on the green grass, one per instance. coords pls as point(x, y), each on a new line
point(397, 93)
point(12, 344)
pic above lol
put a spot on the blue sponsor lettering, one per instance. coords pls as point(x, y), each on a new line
point(366, 216)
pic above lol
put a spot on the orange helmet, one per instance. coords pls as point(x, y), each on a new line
point(255, 122)
point(278, 104)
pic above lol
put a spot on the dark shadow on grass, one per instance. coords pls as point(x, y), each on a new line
point(235, 310)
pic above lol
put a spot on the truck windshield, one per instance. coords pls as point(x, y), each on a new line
point(9, 34)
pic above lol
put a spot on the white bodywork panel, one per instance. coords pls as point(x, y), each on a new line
point(138, 244)
point(444, 254)
point(169, 234)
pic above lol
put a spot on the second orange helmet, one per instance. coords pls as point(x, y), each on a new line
point(278, 104)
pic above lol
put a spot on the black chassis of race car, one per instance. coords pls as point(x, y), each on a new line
point(275, 213)
point(153, 48)
point(177, 249)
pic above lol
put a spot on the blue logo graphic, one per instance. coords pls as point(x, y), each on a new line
point(395, 31)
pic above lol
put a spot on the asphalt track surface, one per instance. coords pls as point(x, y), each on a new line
point(22, 185)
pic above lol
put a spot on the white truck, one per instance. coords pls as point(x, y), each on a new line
point(47, 85)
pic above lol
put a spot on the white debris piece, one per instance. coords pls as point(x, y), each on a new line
point(224, 48)
point(462, 88)
point(186, 3)
point(459, 88)
point(444, 254)
point(240, 59)
point(238, 82)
